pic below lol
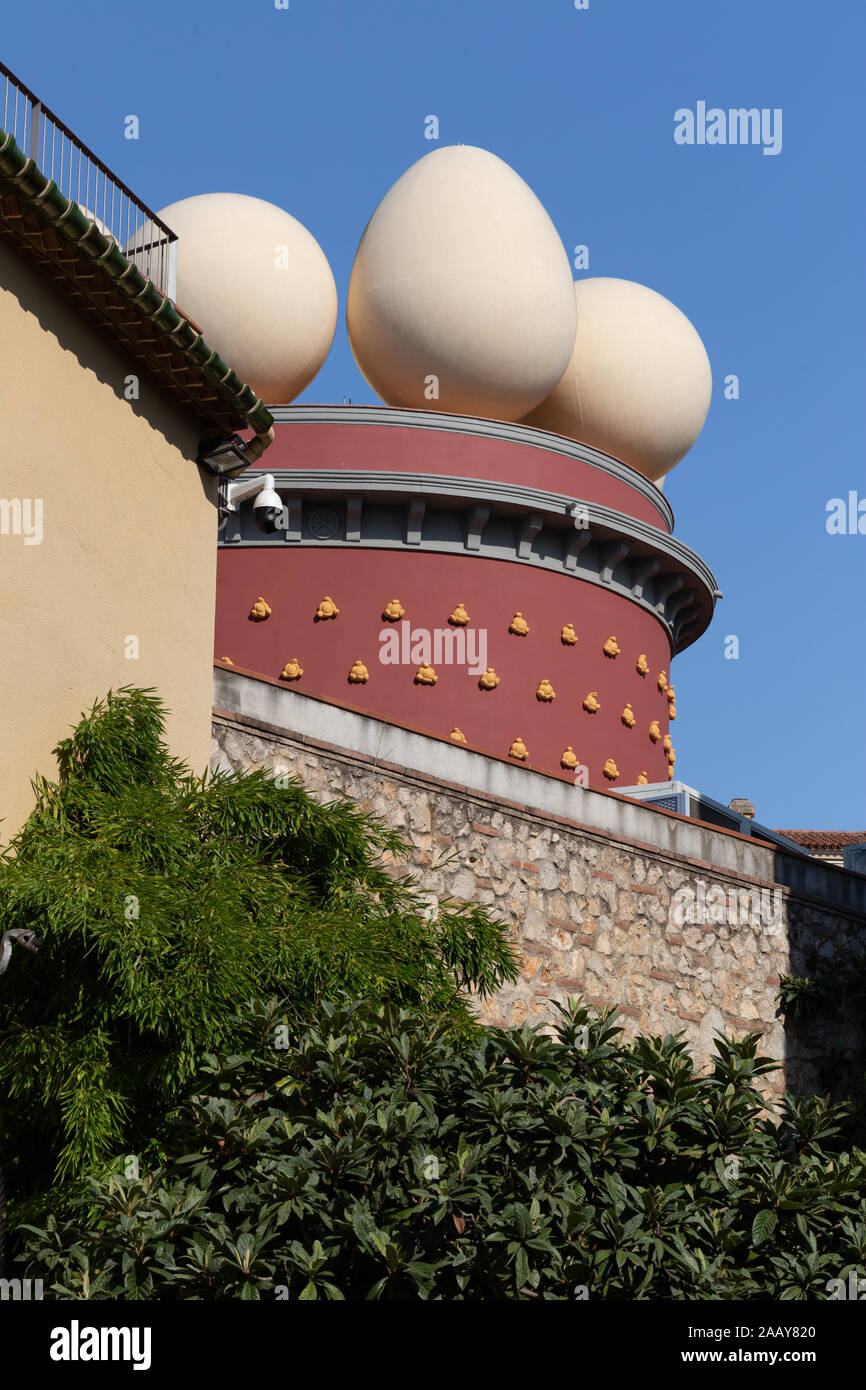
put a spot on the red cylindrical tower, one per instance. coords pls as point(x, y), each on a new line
point(467, 577)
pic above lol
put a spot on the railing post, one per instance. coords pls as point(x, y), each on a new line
point(170, 290)
point(35, 126)
point(156, 255)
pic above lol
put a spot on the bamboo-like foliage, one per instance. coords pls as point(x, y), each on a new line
point(164, 903)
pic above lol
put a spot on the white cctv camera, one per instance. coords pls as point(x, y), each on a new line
point(267, 510)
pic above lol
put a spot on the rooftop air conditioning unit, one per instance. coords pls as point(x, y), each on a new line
point(687, 801)
point(854, 857)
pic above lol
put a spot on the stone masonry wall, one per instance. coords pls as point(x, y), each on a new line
point(591, 914)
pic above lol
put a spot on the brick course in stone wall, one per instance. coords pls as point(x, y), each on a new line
point(592, 914)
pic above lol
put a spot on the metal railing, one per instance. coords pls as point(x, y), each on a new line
point(83, 178)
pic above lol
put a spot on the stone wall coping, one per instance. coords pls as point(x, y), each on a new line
point(264, 705)
point(395, 724)
point(228, 718)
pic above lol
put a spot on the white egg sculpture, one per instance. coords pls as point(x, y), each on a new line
point(259, 286)
point(460, 297)
point(638, 385)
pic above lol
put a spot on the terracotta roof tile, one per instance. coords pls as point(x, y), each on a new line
point(825, 839)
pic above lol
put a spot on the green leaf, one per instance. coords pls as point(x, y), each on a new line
point(763, 1226)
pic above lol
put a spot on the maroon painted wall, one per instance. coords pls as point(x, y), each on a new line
point(412, 450)
point(294, 580)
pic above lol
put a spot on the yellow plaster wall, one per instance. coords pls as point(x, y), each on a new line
point(129, 537)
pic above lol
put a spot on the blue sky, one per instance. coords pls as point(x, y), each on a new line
point(321, 107)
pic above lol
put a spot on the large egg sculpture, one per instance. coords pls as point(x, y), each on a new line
point(258, 285)
point(460, 297)
point(638, 385)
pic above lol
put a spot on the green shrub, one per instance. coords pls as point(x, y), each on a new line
point(380, 1156)
point(162, 900)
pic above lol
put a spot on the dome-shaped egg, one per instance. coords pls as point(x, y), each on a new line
point(259, 286)
point(460, 297)
point(638, 385)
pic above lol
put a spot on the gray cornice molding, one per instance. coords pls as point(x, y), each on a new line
point(485, 429)
point(499, 521)
point(504, 497)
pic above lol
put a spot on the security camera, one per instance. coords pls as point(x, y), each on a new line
point(267, 510)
